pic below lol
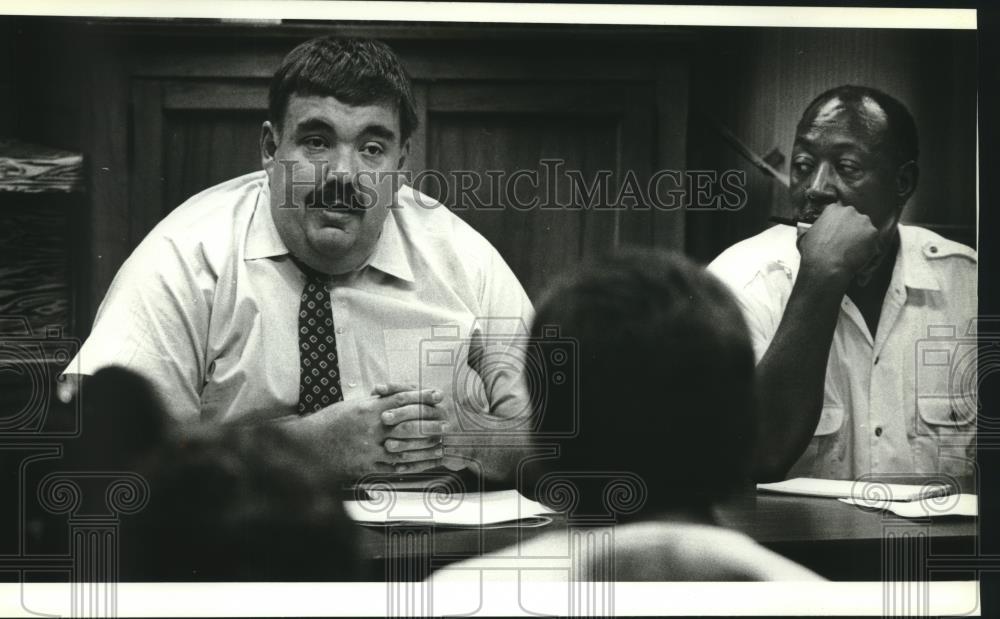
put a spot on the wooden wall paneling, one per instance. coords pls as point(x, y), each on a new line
point(189, 136)
point(671, 122)
point(49, 103)
point(108, 174)
point(601, 222)
point(609, 225)
point(565, 98)
point(945, 111)
point(418, 141)
point(11, 45)
point(146, 180)
point(535, 242)
point(215, 94)
point(36, 259)
point(634, 220)
point(395, 33)
point(460, 61)
point(204, 148)
point(197, 99)
point(573, 64)
point(507, 126)
point(211, 133)
point(200, 62)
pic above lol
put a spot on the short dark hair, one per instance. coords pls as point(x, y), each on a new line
point(238, 502)
point(355, 71)
point(902, 128)
point(666, 378)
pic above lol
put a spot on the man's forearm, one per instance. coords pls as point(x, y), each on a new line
point(505, 444)
point(491, 450)
point(501, 456)
point(792, 373)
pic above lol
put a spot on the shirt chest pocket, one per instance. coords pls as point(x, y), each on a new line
point(940, 416)
point(830, 420)
point(945, 382)
point(945, 438)
point(403, 349)
point(432, 358)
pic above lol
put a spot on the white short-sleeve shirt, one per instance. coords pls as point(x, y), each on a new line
point(903, 403)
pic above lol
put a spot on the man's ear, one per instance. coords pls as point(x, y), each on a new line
point(268, 144)
point(906, 180)
point(404, 153)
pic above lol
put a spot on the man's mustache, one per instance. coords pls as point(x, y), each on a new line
point(335, 194)
point(810, 211)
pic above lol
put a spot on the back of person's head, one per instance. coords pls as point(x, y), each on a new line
point(354, 71)
point(666, 381)
point(122, 421)
point(238, 502)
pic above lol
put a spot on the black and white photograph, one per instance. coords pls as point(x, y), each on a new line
point(453, 309)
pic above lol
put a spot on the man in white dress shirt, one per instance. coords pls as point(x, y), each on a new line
point(307, 292)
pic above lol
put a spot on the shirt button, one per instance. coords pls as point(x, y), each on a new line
point(878, 431)
point(340, 330)
point(933, 249)
point(352, 384)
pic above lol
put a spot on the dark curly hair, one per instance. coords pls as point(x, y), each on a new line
point(355, 71)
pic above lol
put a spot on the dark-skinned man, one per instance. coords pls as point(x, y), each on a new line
point(838, 310)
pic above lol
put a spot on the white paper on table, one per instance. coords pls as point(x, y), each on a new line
point(473, 509)
point(866, 489)
point(952, 505)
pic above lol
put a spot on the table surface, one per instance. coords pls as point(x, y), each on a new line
point(803, 528)
point(786, 518)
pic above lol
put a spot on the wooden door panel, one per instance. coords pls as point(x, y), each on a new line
point(203, 148)
point(539, 240)
point(541, 225)
point(188, 136)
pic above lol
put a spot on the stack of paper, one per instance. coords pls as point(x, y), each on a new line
point(954, 505)
point(474, 509)
point(866, 489)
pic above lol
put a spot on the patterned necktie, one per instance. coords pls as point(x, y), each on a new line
point(319, 375)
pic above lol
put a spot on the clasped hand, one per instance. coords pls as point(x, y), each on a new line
point(398, 429)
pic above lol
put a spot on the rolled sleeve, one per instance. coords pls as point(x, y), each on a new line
point(759, 296)
point(756, 301)
point(504, 327)
point(153, 321)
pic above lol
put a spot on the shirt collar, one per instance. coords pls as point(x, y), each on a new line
point(263, 240)
point(390, 253)
point(912, 265)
